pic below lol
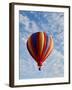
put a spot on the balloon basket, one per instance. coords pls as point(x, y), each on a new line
point(39, 68)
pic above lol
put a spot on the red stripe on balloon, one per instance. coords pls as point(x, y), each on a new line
point(49, 49)
point(42, 55)
point(45, 47)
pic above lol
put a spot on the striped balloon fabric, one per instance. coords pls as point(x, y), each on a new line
point(40, 46)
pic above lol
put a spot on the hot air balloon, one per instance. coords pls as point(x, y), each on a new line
point(40, 46)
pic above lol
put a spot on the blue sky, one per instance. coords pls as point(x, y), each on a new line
point(51, 23)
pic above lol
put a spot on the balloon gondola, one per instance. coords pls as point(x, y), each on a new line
point(40, 46)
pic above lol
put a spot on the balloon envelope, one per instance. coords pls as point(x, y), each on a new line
point(40, 46)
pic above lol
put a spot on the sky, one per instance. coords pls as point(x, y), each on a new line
point(51, 23)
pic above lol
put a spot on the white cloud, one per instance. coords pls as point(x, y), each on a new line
point(24, 20)
point(24, 40)
point(29, 25)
